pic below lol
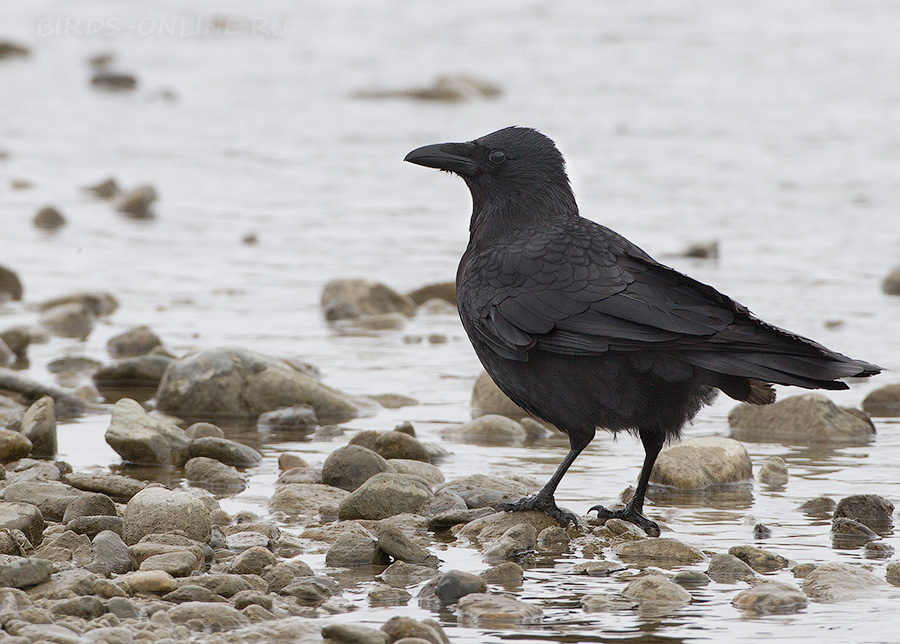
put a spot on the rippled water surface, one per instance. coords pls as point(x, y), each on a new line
point(769, 126)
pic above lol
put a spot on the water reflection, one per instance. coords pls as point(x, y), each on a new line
point(735, 496)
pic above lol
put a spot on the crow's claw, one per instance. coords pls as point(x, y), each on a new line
point(540, 503)
point(628, 514)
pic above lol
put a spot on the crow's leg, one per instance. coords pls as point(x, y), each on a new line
point(633, 510)
point(543, 501)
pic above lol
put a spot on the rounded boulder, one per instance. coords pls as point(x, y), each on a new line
point(884, 401)
point(156, 510)
point(697, 463)
point(385, 495)
point(804, 419)
point(239, 383)
point(350, 466)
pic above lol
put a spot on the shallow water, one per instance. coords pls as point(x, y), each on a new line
point(770, 127)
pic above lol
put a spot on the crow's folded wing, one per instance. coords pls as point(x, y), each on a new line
point(582, 294)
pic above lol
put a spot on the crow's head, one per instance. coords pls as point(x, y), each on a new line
point(515, 163)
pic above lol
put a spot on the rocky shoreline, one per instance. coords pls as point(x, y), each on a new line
point(101, 557)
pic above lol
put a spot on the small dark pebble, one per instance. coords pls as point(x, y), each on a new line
point(113, 81)
point(12, 50)
point(761, 531)
point(106, 189)
point(48, 218)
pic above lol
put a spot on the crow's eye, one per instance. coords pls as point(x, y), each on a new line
point(497, 156)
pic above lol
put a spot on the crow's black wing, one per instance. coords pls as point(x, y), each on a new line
point(580, 290)
point(583, 290)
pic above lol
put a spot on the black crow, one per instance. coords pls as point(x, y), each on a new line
point(583, 329)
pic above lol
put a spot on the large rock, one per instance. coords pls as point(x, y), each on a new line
point(356, 548)
point(252, 561)
point(400, 445)
point(884, 401)
point(448, 88)
point(90, 504)
point(697, 463)
point(99, 303)
point(39, 426)
point(213, 473)
point(22, 516)
point(656, 591)
point(758, 559)
point(871, 510)
point(73, 320)
point(427, 471)
point(159, 510)
point(485, 490)
point(385, 495)
point(353, 634)
point(397, 543)
point(305, 498)
point(214, 616)
point(727, 569)
point(494, 526)
point(51, 497)
point(489, 429)
point(286, 630)
point(13, 446)
point(350, 466)
point(455, 584)
point(157, 582)
point(312, 591)
point(120, 488)
point(285, 573)
point(808, 418)
point(771, 597)
point(488, 399)
point(849, 533)
point(662, 551)
point(67, 583)
point(236, 382)
point(445, 291)
point(353, 298)
point(139, 376)
point(519, 540)
point(25, 572)
point(138, 341)
point(139, 438)
point(836, 581)
point(178, 563)
point(111, 551)
point(478, 608)
point(225, 451)
point(66, 547)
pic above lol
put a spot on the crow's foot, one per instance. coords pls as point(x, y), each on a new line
point(540, 503)
point(629, 514)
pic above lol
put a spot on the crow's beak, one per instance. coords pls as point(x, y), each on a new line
point(453, 157)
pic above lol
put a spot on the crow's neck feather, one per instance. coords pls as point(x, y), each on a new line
point(496, 214)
